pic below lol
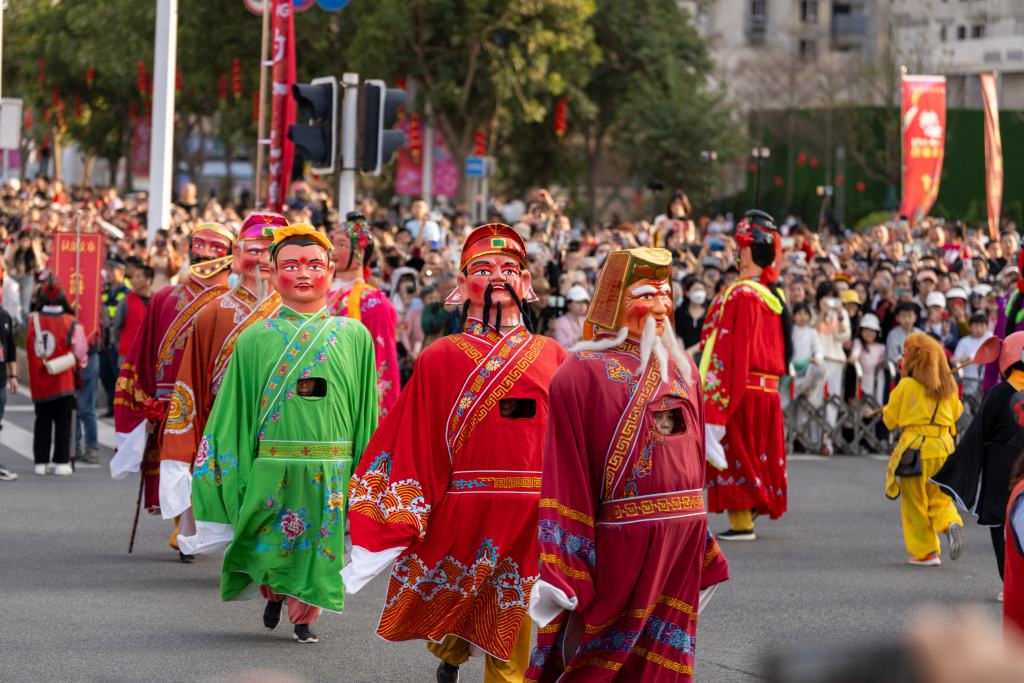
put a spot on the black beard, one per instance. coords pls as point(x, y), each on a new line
point(487, 305)
point(524, 310)
point(193, 260)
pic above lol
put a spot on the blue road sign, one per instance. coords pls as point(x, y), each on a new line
point(332, 5)
point(475, 167)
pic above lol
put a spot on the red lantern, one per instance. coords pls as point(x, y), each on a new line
point(560, 111)
point(814, 162)
point(42, 71)
point(801, 159)
point(222, 88)
point(90, 76)
point(177, 81)
point(78, 107)
point(860, 186)
point(57, 104)
point(47, 115)
point(141, 82)
point(778, 181)
point(840, 179)
point(752, 168)
point(256, 106)
point(133, 111)
point(480, 143)
point(28, 119)
point(236, 78)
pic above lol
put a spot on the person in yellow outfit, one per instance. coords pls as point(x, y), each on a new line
point(925, 404)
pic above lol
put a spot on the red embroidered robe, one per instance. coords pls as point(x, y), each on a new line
point(451, 488)
point(623, 530)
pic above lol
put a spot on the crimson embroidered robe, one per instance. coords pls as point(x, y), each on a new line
point(744, 357)
point(450, 488)
point(623, 530)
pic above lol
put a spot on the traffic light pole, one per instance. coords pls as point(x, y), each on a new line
point(261, 126)
point(349, 124)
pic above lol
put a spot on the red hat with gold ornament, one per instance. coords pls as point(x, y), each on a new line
point(494, 238)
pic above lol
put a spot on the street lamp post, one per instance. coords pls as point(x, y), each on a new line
point(708, 157)
point(759, 153)
point(824, 191)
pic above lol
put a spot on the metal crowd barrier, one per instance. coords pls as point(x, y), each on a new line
point(853, 432)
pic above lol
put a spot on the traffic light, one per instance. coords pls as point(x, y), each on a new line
point(317, 141)
point(376, 143)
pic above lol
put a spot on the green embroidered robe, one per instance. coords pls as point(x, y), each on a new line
point(271, 473)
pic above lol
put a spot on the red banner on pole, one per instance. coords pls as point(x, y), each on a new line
point(142, 135)
point(993, 153)
point(84, 290)
point(282, 106)
point(924, 136)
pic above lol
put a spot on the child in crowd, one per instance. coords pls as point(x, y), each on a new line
point(808, 362)
point(926, 406)
point(869, 351)
point(906, 319)
point(965, 350)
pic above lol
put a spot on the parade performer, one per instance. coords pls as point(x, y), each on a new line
point(353, 248)
point(1009, 319)
point(274, 460)
point(147, 377)
point(747, 343)
point(926, 406)
point(626, 556)
point(214, 333)
point(451, 481)
point(985, 451)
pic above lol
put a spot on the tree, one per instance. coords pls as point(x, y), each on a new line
point(478, 64)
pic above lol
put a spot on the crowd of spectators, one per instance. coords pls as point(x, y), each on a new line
point(855, 296)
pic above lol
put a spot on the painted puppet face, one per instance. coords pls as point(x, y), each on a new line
point(494, 270)
point(649, 298)
point(302, 274)
point(250, 255)
point(342, 248)
point(208, 245)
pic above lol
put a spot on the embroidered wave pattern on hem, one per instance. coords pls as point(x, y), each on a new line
point(578, 546)
point(376, 497)
point(484, 602)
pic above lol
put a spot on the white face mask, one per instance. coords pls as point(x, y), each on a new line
point(698, 297)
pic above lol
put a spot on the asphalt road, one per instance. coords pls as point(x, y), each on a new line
point(74, 606)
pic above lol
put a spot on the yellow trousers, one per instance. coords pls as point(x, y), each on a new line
point(741, 520)
point(455, 651)
point(174, 536)
point(927, 511)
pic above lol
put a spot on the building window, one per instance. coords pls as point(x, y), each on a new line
point(978, 31)
point(961, 32)
point(942, 33)
point(808, 49)
point(757, 8)
point(809, 11)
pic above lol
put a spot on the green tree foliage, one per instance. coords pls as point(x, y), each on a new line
point(480, 64)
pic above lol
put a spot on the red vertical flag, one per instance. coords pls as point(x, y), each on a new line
point(85, 290)
point(924, 137)
point(282, 106)
point(993, 154)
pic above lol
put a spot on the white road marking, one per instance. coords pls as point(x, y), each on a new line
point(17, 439)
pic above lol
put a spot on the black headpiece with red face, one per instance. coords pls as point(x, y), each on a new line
point(758, 231)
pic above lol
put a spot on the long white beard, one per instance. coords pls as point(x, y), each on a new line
point(662, 347)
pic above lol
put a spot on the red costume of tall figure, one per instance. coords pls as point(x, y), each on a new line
point(626, 556)
point(450, 483)
point(743, 357)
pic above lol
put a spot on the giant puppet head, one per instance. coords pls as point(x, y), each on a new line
point(252, 249)
point(760, 246)
point(210, 249)
point(633, 298)
point(301, 268)
point(493, 276)
point(353, 244)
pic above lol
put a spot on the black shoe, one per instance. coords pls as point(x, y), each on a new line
point(186, 559)
point(446, 673)
point(303, 634)
point(733, 535)
point(272, 614)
